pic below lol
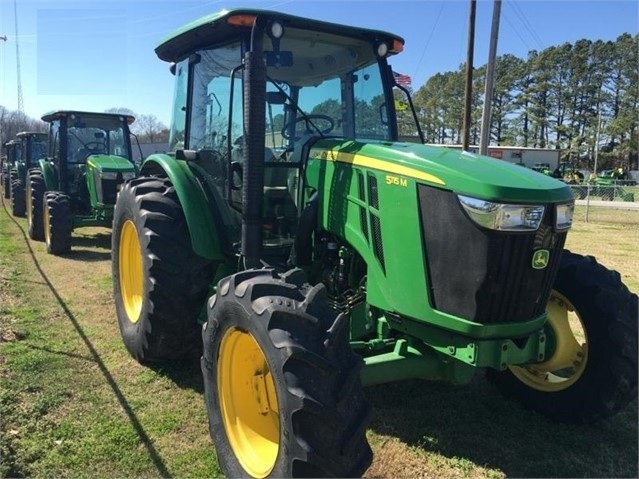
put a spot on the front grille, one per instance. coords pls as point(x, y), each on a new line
point(483, 275)
point(110, 191)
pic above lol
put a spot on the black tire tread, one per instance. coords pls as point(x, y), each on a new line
point(36, 192)
point(18, 201)
point(58, 206)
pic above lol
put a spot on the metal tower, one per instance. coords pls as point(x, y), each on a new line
point(20, 102)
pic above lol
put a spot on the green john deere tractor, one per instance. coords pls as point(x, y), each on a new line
point(321, 255)
point(13, 149)
point(77, 184)
point(32, 147)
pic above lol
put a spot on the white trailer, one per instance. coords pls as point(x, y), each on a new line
point(530, 157)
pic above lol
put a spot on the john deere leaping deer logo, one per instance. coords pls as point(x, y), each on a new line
point(540, 259)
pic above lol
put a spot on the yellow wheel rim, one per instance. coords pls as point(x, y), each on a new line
point(131, 271)
point(568, 361)
point(46, 225)
point(248, 402)
point(29, 203)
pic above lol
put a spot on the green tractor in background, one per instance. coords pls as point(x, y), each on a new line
point(608, 185)
point(32, 147)
point(321, 255)
point(13, 149)
point(77, 184)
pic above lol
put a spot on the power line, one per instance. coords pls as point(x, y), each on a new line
point(441, 8)
point(527, 26)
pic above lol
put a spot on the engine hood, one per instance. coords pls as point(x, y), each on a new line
point(110, 163)
point(462, 172)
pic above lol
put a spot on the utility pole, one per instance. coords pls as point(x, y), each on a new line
point(597, 133)
point(490, 79)
point(468, 94)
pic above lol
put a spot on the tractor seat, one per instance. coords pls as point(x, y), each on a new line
point(280, 210)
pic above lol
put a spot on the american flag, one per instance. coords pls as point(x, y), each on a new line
point(402, 79)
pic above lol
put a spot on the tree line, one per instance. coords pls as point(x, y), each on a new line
point(580, 98)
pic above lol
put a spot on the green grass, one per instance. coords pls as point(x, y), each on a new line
point(73, 403)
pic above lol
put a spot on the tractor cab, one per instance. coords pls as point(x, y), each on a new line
point(34, 146)
point(310, 87)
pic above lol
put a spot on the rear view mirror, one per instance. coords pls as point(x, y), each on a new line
point(279, 59)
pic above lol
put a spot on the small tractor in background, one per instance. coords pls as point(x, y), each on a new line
point(89, 157)
point(608, 184)
point(13, 152)
point(33, 146)
point(307, 253)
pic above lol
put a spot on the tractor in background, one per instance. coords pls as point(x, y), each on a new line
point(13, 153)
point(32, 147)
point(609, 185)
point(307, 253)
point(89, 157)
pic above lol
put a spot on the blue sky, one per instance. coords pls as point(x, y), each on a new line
point(96, 54)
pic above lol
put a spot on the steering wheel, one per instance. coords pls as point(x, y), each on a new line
point(95, 146)
point(308, 119)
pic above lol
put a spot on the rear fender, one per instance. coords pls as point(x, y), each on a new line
point(50, 175)
point(204, 239)
point(21, 170)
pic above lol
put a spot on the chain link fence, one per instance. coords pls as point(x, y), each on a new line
point(616, 203)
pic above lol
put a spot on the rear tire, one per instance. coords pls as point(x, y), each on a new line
point(160, 284)
point(58, 222)
point(281, 383)
point(6, 184)
point(592, 374)
point(34, 197)
point(18, 201)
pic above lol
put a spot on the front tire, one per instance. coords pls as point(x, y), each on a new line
point(160, 284)
point(34, 197)
point(58, 222)
point(281, 383)
point(6, 180)
point(592, 372)
point(18, 201)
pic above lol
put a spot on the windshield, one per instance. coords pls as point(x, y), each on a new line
point(328, 85)
point(38, 150)
point(317, 84)
point(93, 135)
point(332, 80)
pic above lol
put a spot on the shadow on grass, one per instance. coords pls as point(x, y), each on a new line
point(184, 373)
point(145, 441)
point(97, 240)
point(476, 423)
point(86, 255)
point(90, 247)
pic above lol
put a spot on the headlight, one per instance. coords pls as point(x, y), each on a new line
point(109, 175)
point(501, 216)
point(128, 175)
point(563, 216)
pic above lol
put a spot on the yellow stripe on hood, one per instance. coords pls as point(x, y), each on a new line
point(374, 163)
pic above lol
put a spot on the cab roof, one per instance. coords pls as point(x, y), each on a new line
point(228, 25)
point(56, 115)
point(32, 133)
